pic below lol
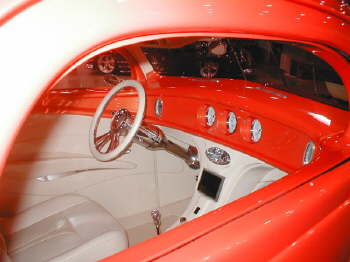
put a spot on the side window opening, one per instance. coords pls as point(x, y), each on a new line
point(106, 69)
point(299, 72)
point(276, 64)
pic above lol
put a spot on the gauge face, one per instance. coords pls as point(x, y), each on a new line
point(210, 116)
point(309, 153)
point(256, 130)
point(158, 107)
point(231, 122)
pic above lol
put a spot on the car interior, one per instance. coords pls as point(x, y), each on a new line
point(139, 140)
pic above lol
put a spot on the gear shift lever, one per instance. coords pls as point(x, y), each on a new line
point(156, 216)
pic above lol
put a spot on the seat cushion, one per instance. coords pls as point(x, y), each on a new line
point(66, 228)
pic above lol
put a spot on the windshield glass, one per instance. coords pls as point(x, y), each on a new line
point(280, 65)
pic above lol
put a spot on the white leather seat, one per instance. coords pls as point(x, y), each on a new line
point(66, 228)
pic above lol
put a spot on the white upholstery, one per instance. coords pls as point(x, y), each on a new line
point(66, 228)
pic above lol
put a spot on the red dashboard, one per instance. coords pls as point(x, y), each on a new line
point(287, 127)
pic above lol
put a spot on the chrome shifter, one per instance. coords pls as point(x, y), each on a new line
point(153, 138)
point(156, 216)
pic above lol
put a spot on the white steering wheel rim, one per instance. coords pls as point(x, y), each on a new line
point(132, 132)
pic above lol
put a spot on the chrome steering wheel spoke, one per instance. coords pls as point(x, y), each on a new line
point(120, 125)
point(102, 138)
point(114, 141)
point(101, 141)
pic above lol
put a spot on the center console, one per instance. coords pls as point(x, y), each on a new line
point(219, 184)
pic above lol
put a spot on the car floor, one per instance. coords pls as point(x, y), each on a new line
point(140, 227)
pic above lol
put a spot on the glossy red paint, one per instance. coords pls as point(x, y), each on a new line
point(334, 7)
point(313, 200)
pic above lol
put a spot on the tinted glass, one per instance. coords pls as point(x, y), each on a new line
point(104, 70)
point(193, 60)
point(280, 65)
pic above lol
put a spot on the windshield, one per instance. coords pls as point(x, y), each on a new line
point(280, 65)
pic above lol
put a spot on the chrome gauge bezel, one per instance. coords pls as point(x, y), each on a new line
point(256, 130)
point(231, 122)
point(309, 153)
point(218, 156)
point(210, 116)
point(158, 107)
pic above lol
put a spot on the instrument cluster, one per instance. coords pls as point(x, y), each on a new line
point(249, 128)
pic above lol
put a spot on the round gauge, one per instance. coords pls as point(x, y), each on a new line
point(256, 130)
point(218, 48)
point(309, 153)
point(210, 116)
point(158, 108)
point(231, 122)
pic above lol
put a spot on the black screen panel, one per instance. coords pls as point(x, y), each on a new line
point(210, 184)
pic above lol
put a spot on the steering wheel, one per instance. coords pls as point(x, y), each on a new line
point(121, 124)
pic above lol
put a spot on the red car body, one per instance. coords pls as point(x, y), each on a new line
point(302, 217)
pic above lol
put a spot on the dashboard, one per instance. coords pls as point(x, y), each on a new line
point(250, 133)
point(275, 127)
